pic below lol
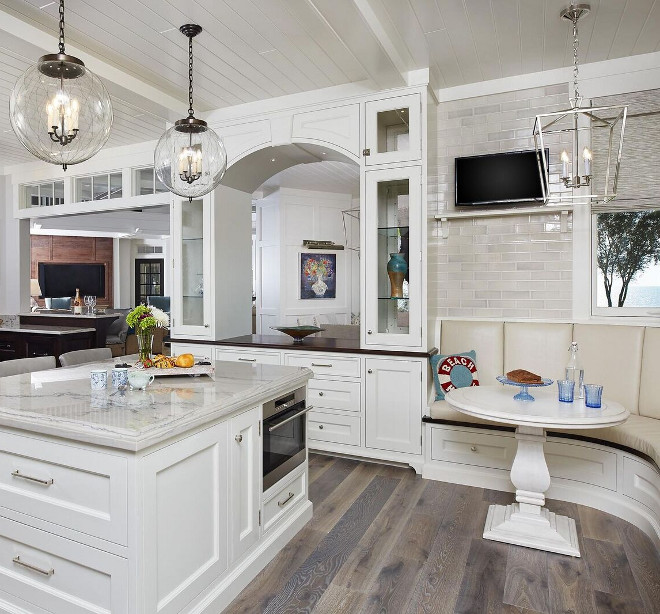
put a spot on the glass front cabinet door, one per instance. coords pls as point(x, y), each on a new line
point(393, 130)
point(191, 309)
point(392, 261)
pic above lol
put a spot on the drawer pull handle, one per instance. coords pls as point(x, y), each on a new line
point(473, 448)
point(43, 572)
point(239, 438)
point(319, 364)
point(321, 393)
point(248, 359)
point(283, 503)
point(18, 474)
point(321, 426)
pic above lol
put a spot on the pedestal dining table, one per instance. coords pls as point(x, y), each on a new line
point(526, 522)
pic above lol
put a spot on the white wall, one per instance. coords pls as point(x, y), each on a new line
point(284, 219)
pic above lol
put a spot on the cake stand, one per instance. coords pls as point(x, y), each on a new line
point(523, 395)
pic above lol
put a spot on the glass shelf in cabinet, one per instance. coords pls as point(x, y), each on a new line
point(393, 298)
point(192, 238)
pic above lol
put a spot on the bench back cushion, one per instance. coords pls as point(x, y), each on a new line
point(485, 338)
point(649, 388)
point(538, 347)
point(612, 356)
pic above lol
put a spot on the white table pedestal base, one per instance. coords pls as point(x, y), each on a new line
point(527, 522)
point(543, 531)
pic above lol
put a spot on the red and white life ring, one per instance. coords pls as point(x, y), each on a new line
point(447, 365)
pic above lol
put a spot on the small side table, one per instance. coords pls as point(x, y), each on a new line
point(526, 522)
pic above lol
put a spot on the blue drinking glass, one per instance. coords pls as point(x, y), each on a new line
point(593, 394)
point(566, 390)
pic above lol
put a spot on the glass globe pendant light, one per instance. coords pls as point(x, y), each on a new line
point(190, 158)
point(59, 109)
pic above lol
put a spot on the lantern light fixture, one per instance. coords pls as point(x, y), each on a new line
point(59, 109)
point(190, 158)
point(591, 139)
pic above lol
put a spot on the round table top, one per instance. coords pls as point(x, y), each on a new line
point(496, 403)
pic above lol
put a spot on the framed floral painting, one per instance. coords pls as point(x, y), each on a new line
point(318, 275)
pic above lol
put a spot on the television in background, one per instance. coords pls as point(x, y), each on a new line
point(498, 179)
point(57, 280)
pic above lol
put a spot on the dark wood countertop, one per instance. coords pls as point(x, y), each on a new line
point(312, 344)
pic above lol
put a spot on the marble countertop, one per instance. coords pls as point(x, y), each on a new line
point(57, 313)
point(59, 402)
point(45, 329)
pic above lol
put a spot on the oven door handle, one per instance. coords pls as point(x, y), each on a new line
point(289, 419)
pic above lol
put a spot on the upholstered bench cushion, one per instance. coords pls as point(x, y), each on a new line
point(638, 432)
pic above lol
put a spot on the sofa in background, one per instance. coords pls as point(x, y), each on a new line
point(614, 469)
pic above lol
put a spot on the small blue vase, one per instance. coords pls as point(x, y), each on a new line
point(397, 267)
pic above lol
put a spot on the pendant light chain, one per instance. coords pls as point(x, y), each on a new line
point(61, 26)
point(191, 113)
point(575, 60)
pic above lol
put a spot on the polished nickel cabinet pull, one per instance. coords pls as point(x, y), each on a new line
point(248, 359)
point(283, 503)
point(18, 474)
point(314, 364)
point(43, 572)
point(239, 438)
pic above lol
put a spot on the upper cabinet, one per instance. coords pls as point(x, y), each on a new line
point(392, 266)
point(393, 130)
point(212, 265)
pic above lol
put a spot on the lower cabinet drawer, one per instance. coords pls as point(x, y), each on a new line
point(263, 358)
point(472, 448)
point(200, 351)
point(581, 463)
point(641, 482)
point(329, 394)
point(59, 575)
point(325, 364)
point(333, 428)
point(80, 489)
point(284, 499)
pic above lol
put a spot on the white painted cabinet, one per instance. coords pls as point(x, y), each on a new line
point(186, 518)
point(245, 446)
point(393, 224)
point(393, 411)
point(393, 130)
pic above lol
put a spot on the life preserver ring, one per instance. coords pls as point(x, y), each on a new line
point(448, 364)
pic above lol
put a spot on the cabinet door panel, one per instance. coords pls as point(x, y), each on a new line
point(245, 483)
point(394, 405)
point(185, 518)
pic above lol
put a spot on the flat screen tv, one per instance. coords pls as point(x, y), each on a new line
point(58, 280)
point(496, 179)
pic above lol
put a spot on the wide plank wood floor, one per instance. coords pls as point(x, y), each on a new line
point(383, 540)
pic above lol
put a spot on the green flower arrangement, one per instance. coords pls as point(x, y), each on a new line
point(144, 319)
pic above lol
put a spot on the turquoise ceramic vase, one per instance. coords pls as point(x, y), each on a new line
point(397, 267)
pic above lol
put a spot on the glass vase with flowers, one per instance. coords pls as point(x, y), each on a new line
point(144, 319)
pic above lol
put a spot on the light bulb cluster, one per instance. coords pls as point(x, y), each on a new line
point(577, 180)
point(190, 163)
point(63, 115)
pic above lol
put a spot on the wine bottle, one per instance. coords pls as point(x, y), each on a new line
point(77, 303)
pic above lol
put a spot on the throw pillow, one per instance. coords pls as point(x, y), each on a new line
point(454, 371)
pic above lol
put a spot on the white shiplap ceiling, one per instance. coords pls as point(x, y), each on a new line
point(257, 49)
point(330, 176)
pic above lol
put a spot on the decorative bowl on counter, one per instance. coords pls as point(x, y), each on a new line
point(298, 332)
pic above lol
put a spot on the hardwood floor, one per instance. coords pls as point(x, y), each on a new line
point(383, 540)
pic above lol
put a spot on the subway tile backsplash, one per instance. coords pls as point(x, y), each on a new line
point(506, 267)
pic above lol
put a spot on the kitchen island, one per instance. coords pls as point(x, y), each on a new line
point(140, 501)
point(30, 340)
point(100, 322)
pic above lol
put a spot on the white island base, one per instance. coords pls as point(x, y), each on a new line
point(527, 523)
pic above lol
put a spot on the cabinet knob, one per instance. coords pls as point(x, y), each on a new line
point(369, 332)
point(207, 326)
point(321, 393)
point(239, 438)
point(473, 448)
point(370, 370)
point(321, 426)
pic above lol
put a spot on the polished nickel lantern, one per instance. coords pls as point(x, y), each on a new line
point(190, 158)
point(59, 109)
point(587, 142)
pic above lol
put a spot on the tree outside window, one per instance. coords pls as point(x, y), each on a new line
point(628, 258)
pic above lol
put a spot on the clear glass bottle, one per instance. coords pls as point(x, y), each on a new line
point(574, 370)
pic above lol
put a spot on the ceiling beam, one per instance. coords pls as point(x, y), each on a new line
point(376, 52)
point(28, 41)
